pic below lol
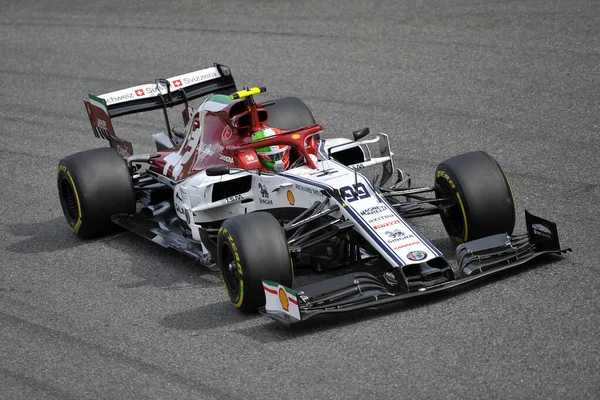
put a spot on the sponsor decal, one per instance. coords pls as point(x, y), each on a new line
point(397, 236)
point(380, 218)
point(442, 174)
point(227, 133)
point(280, 298)
point(117, 99)
point(140, 92)
point(283, 299)
point(416, 255)
point(225, 158)
point(205, 149)
point(541, 230)
point(199, 78)
point(396, 233)
point(386, 224)
point(296, 136)
point(400, 246)
point(237, 197)
point(177, 83)
point(155, 89)
point(122, 149)
point(264, 195)
point(263, 191)
point(354, 192)
point(101, 123)
point(308, 189)
point(290, 197)
point(250, 157)
point(373, 210)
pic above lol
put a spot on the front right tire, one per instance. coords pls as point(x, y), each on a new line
point(480, 198)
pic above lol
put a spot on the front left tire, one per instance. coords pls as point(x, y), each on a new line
point(250, 248)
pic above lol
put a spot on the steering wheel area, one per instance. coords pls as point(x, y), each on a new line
point(298, 139)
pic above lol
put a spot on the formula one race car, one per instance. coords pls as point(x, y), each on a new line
point(254, 190)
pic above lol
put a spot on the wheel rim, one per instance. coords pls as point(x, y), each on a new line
point(230, 273)
point(452, 216)
point(69, 200)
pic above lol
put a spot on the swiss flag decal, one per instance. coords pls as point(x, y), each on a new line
point(139, 92)
point(177, 83)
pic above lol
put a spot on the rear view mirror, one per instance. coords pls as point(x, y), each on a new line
point(218, 170)
point(361, 133)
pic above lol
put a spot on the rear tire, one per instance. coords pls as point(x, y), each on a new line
point(92, 186)
point(482, 201)
point(250, 248)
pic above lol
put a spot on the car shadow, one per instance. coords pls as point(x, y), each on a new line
point(207, 317)
point(155, 266)
point(42, 237)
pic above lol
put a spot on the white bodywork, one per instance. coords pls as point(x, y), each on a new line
point(378, 222)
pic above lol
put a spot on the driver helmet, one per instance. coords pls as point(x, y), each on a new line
point(274, 158)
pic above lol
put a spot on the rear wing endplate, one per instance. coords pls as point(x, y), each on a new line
point(162, 94)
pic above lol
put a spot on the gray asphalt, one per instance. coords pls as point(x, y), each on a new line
point(118, 317)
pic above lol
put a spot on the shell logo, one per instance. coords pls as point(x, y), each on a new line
point(290, 197)
point(283, 299)
point(296, 136)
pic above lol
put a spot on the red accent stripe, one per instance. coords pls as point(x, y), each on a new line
point(270, 290)
point(293, 300)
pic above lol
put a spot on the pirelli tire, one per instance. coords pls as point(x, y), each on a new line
point(250, 248)
point(92, 186)
point(481, 201)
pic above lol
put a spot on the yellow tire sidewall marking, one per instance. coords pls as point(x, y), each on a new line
point(236, 256)
point(444, 175)
point(77, 225)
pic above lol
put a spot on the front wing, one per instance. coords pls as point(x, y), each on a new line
point(476, 260)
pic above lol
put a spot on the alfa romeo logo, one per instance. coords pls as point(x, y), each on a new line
point(416, 255)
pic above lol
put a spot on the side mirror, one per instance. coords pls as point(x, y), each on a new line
point(218, 170)
point(180, 133)
point(361, 133)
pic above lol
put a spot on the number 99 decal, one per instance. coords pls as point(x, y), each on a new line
point(354, 192)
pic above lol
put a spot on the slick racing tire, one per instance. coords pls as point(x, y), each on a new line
point(480, 198)
point(250, 248)
point(92, 186)
point(289, 113)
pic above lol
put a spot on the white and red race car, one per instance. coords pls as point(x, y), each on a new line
point(204, 192)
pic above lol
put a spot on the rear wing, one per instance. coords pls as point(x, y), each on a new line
point(162, 94)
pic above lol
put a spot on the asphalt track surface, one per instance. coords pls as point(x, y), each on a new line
point(119, 317)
